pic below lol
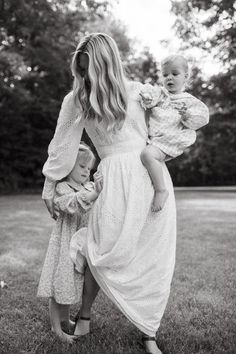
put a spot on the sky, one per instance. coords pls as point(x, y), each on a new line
point(149, 22)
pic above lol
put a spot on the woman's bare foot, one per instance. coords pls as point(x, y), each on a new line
point(159, 200)
point(82, 327)
point(150, 345)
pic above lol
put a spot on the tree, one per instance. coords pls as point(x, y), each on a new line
point(37, 38)
point(210, 25)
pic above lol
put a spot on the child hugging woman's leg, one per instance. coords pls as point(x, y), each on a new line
point(60, 280)
point(152, 158)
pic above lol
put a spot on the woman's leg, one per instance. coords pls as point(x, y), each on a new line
point(89, 294)
point(150, 345)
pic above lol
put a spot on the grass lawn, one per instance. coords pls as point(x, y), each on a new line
point(200, 314)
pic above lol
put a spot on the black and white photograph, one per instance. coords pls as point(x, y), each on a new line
point(117, 176)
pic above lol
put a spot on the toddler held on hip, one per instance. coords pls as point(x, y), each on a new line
point(175, 115)
point(60, 281)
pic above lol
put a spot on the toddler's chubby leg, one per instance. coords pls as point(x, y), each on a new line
point(152, 157)
point(55, 312)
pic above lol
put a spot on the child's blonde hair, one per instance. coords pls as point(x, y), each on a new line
point(85, 154)
point(107, 99)
point(172, 59)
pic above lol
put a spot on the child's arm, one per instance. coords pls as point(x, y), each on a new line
point(195, 116)
point(70, 202)
point(91, 195)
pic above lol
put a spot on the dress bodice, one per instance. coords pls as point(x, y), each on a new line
point(133, 134)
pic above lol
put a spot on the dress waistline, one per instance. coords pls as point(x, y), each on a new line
point(120, 148)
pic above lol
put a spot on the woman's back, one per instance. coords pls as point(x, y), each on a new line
point(132, 135)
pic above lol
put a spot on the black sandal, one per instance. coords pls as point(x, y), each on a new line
point(148, 339)
point(77, 318)
point(84, 318)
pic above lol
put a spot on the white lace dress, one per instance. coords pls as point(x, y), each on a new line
point(130, 250)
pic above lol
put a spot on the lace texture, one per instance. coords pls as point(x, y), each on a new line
point(130, 251)
point(48, 189)
point(64, 147)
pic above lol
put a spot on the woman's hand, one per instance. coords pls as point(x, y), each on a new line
point(51, 208)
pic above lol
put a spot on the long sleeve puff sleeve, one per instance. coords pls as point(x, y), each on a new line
point(197, 115)
point(63, 148)
point(70, 202)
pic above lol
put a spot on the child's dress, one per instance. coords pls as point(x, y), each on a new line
point(59, 279)
point(171, 132)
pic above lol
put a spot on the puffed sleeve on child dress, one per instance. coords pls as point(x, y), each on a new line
point(71, 202)
point(197, 115)
point(63, 148)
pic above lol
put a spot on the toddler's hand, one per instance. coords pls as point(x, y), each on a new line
point(153, 96)
point(146, 99)
point(181, 108)
point(98, 180)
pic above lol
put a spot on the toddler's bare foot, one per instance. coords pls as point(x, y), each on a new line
point(68, 326)
point(82, 327)
point(67, 338)
point(64, 337)
point(159, 200)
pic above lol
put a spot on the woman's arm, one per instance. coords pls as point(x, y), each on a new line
point(63, 148)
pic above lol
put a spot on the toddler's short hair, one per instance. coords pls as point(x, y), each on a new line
point(183, 61)
point(176, 58)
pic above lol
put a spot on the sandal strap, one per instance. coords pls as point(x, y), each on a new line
point(84, 318)
point(147, 338)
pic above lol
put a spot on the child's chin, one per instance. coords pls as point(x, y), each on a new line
point(171, 88)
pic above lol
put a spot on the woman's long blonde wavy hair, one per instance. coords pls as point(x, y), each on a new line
point(106, 97)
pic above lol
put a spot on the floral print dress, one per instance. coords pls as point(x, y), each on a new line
point(59, 279)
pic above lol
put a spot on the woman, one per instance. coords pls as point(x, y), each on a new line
point(130, 250)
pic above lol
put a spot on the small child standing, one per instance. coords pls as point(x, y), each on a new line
point(59, 280)
point(174, 118)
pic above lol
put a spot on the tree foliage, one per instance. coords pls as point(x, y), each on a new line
point(210, 25)
point(37, 38)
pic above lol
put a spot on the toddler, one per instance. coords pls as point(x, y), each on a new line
point(59, 280)
point(174, 118)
